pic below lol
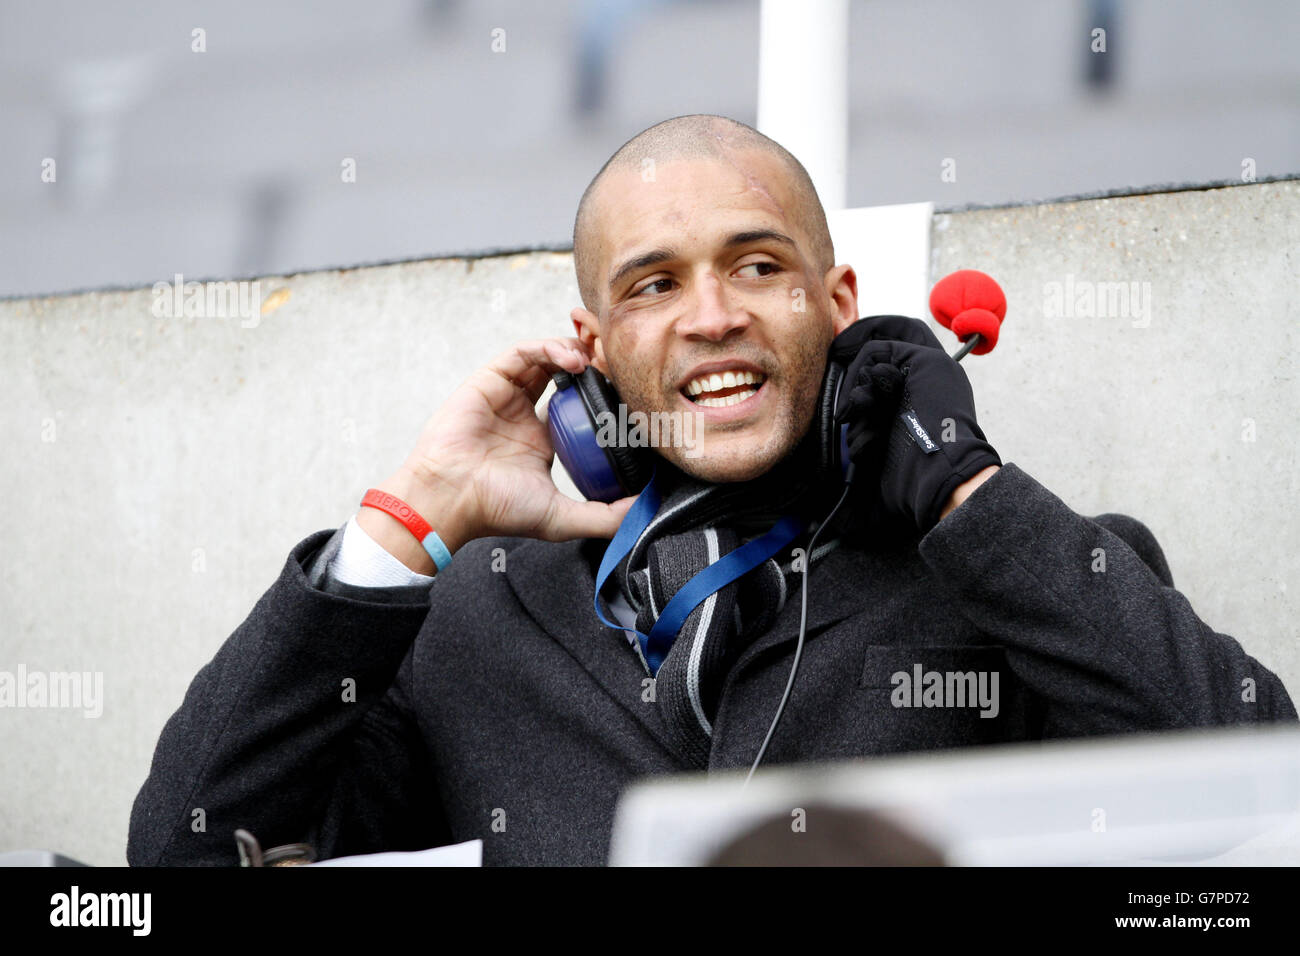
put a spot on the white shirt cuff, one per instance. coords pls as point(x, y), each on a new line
point(362, 561)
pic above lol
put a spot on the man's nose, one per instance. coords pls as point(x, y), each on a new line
point(712, 313)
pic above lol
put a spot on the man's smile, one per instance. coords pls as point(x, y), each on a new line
point(722, 383)
point(727, 396)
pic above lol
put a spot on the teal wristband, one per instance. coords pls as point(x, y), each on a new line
point(437, 550)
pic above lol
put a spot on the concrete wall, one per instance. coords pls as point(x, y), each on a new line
point(159, 469)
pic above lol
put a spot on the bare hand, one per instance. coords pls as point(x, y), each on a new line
point(487, 450)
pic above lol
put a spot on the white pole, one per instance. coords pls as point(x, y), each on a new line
point(803, 89)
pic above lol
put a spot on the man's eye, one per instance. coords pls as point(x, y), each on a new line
point(649, 286)
point(772, 267)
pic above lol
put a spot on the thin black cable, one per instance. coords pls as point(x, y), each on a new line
point(803, 623)
point(803, 610)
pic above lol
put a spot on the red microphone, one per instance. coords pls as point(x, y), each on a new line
point(972, 306)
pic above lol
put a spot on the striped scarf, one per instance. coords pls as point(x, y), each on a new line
point(697, 523)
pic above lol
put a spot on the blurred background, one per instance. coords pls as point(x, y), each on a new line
point(165, 462)
point(475, 126)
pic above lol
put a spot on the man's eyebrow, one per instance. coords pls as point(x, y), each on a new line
point(651, 258)
point(656, 256)
point(756, 235)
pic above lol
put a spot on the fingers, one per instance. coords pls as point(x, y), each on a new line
point(885, 351)
point(903, 329)
point(881, 328)
point(887, 378)
point(866, 368)
point(534, 382)
point(897, 353)
point(549, 355)
point(527, 367)
point(875, 384)
point(584, 519)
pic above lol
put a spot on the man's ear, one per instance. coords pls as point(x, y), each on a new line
point(587, 326)
point(842, 287)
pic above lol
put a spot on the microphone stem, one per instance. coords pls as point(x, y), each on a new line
point(971, 342)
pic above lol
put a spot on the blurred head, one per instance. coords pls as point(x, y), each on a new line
point(702, 250)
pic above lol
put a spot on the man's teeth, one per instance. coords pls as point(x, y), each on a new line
point(726, 400)
point(698, 389)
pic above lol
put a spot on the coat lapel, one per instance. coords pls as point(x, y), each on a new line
point(556, 584)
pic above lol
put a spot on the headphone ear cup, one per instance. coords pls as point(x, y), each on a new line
point(630, 467)
point(576, 442)
point(832, 439)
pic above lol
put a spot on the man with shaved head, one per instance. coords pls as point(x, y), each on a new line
point(698, 137)
point(710, 187)
point(383, 696)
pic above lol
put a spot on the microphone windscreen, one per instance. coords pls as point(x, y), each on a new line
point(977, 321)
point(968, 302)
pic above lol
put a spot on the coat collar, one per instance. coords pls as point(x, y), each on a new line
point(555, 583)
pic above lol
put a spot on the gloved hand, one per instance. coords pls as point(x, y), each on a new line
point(872, 388)
point(913, 437)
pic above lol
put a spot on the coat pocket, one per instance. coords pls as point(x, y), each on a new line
point(940, 696)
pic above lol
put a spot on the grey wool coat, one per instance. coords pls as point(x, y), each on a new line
point(493, 704)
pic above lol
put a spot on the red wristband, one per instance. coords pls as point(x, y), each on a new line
point(400, 510)
point(413, 521)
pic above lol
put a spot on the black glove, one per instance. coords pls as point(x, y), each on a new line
point(872, 389)
point(913, 437)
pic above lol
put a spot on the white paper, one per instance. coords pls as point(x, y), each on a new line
point(469, 853)
point(1203, 796)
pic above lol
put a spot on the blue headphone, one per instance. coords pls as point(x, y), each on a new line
point(607, 472)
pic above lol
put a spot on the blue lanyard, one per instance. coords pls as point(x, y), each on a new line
point(722, 572)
